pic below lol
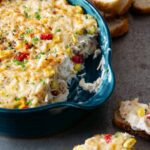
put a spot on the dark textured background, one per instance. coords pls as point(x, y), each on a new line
point(131, 62)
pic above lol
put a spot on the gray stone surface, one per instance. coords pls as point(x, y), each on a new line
point(131, 62)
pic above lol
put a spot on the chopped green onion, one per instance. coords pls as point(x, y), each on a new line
point(21, 63)
point(28, 31)
point(26, 10)
point(39, 55)
point(35, 40)
point(29, 103)
point(9, 48)
point(22, 36)
point(42, 81)
point(67, 46)
point(37, 15)
point(58, 30)
point(17, 99)
point(33, 83)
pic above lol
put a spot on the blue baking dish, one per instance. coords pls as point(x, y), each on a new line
point(52, 118)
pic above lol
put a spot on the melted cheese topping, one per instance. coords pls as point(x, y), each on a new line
point(136, 114)
point(119, 141)
point(43, 44)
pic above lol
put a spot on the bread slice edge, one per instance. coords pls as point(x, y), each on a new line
point(140, 9)
point(118, 26)
point(122, 124)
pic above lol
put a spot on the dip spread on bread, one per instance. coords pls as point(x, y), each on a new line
point(136, 114)
point(118, 141)
point(43, 44)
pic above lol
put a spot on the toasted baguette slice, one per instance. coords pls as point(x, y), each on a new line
point(122, 124)
point(109, 6)
point(118, 26)
point(118, 141)
point(108, 16)
point(141, 6)
point(124, 6)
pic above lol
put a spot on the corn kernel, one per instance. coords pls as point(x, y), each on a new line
point(80, 31)
point(5, 54)
point(45, 20)
point(79, 21)
point(79, 10)
point(19, 45)
point(54, 84)
point(113, 147)
point(91, 30)
point(77, 67)
point(21, 103)
point(38, 31)
point(2, 69)
point(69, 51)
point(45, 30)
point(141, 112)
point(129, 143)
point(49, 73)
point(50, 44)
point(56, 39)
point(3, 93)
point(74, 39)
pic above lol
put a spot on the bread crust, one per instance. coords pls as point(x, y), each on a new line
point(118, 27)
point(138, 8)
point(122, 124)
point(125, 8)
point(109, 7)
point(117, 7)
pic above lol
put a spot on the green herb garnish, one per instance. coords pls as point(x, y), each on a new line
point(42, 81)
point(22, 36)
point(29, 103)
point(26, 10)
point(17, 99)
point(39, 55)
point(37, 15)
point(35, 40)
point(28, 31)
point(26, 14)
point(9, 48)
point(58, 30)
point(21, 63)
point(67, 46)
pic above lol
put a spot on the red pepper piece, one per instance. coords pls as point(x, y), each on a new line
point(55, 93)
point(46, 36)
point(108, 138)
point(21, 56)
point(77, 59)
point(25, 107)
point(31, 35)
point(28, 46)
